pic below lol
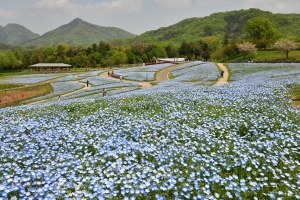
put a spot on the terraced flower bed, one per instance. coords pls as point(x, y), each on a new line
point(175, 140)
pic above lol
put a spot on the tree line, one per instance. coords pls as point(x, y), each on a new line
point(259, 34)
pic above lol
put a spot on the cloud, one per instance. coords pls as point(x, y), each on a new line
point(116, 6)
point(287, 6)
point(69, 8)
point(217, 2)
point(56, 8)
point(8, 14)
point(173, 3)
point(276, 6)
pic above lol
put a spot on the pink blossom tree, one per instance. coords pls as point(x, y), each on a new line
point(246, 47)
point(285, 45)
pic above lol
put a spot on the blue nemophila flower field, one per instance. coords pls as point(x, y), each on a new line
point(29, 79)
point(142, 73)
point(238, 141)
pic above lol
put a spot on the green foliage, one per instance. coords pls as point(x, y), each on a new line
point(80, 33)
point(259, 28)
point(218, 24)
point(195, 50)
point(262, 56)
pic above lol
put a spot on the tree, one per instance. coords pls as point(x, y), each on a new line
point(118, 57)
point(11, 59)
point(285, 45)
point(246, 47)
point(3, 61)
point(171, 51)
point(259, 28)
point(131, 58)
point(103, 48)
point(61, 51)
point(225, 40)
point(80, 59)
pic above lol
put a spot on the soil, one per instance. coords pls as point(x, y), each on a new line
point(224, 79)
point(160, 77)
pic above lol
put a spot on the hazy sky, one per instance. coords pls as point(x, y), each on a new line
point(135, 16)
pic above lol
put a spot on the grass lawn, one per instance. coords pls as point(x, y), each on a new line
point(267, 55)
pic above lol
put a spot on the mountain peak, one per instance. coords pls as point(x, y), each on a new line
point(76, 21)
point(15, 34)
point(10, 25)
point(79, 32)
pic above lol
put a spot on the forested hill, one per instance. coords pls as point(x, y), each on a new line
point(217, 24)
point(5, 47)
point(15, 34)
point(79, 32)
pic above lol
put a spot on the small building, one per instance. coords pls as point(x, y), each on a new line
point(170, 60)
point(50, 67)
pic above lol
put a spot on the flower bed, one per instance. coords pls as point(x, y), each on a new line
point(29, 79)
point(239, 140)
point(59, 88)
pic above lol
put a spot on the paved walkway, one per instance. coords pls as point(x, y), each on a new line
point(223, 80)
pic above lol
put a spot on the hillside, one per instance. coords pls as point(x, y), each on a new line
point(217, 24)
point(5, 46)
point(15, 34)
point(79, 32)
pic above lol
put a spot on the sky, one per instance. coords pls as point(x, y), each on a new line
point(134, 16)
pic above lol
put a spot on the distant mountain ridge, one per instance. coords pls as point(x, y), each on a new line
point(219, 24)
point(15, 34)
point(79, 32)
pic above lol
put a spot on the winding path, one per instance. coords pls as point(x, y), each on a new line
point(224, 79)
point(161, 76)
point(63, 95)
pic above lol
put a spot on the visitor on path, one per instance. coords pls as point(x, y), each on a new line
point(108, 73)
point(112, 72)
point(121, 78)
point(87, 83)
point(218, 77)
point(222, 74)
point(104, 92)
point(59, 98)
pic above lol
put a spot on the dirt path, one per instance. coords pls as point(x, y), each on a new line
point(223, 80)
point(163, 75)
point(160, 77)
point(63, 95)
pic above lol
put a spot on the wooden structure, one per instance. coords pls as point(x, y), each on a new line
point(50, 67)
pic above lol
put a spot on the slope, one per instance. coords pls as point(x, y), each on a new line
point(218, 24)
point(15, 34)
point(79, 32)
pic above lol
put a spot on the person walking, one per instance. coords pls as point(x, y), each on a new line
point(108, 73)
point(104, 92)
point(222, 73)
point(121, 78)
point(218, 77)
point(87, 83)
point(59, 98)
